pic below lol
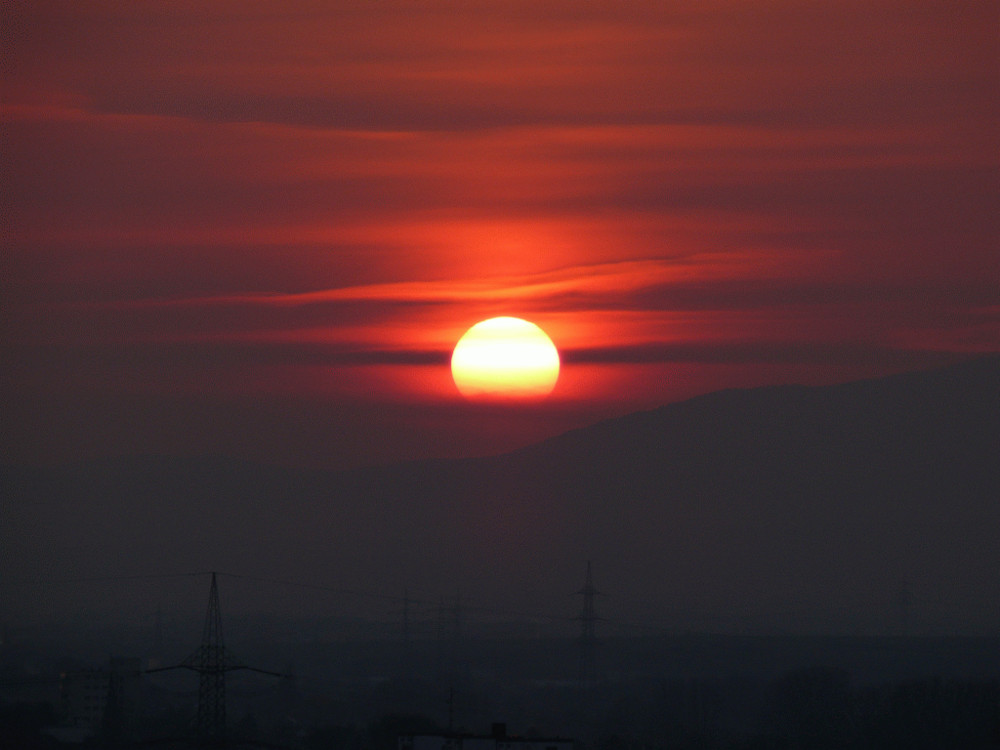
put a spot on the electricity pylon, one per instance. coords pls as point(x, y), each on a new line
point(211, 661)
point(588, 617)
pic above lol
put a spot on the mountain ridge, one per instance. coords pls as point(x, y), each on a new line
point(792, 507)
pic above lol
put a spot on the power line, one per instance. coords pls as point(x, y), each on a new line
point(407, 600)
point(106, 579)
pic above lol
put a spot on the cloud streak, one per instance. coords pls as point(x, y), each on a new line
point(292, 195)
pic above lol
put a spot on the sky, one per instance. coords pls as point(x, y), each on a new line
point(258, 229)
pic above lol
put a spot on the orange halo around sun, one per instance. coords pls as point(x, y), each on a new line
point(505, 358)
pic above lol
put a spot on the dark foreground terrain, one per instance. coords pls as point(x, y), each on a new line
point(657, 691)
point(767, 515)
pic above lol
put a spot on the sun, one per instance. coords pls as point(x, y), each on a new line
point(505, 358)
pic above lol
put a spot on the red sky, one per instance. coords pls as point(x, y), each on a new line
point(258, 228)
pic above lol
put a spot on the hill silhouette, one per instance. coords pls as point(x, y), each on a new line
point(788, 509)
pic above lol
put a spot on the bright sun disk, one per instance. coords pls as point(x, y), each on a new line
point(505, 358)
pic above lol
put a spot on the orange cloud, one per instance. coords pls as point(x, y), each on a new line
point(317, 198)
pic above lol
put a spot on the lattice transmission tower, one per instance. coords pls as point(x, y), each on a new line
point(212, 661)
point(588, 619)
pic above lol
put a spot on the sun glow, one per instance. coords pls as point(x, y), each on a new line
point(505, 358)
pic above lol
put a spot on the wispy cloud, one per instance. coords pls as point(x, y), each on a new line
point(198, 193)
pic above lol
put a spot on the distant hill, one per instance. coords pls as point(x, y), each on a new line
point(785, 508)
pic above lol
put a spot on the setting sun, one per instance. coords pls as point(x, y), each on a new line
point(505, 358)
